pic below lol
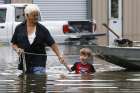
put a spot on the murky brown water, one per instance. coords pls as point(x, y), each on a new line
point(109, 78)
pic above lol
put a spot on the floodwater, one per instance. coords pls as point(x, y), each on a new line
point(108, 78)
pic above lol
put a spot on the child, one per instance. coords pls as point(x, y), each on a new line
point(82, 67)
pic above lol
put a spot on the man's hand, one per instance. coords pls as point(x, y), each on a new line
point(19, 51)
point(61, 59)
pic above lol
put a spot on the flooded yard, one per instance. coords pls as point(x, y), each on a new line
point(108, 78)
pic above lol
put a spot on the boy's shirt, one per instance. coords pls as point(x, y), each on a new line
point(80, 68)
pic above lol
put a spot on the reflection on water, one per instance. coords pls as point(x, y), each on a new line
point(32, 83)
point(109, 78)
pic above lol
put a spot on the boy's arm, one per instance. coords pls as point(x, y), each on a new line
point(68, 68)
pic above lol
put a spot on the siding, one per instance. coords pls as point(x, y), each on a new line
point(21, 1)
point(63, 9)
point(131, 19)
point(100, 13)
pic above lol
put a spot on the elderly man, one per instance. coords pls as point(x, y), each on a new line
point(32, 37)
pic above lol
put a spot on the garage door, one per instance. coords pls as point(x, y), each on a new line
point(1, 1)
point(64, 9)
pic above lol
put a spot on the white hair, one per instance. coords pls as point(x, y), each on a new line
point(31, 8)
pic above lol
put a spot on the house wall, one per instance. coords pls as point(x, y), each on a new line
point(131, 19)
point(100, 14)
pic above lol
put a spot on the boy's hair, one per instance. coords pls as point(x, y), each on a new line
point(86, 51)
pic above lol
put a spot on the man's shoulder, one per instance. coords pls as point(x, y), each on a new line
point(20, 27)
point(42, 27)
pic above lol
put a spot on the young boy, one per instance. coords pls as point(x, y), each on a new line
point(82, 67)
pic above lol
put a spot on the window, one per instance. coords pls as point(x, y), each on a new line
point(19, 14)
point(2, 15)
point(114, 8)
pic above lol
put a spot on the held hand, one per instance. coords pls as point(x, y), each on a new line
point(62, 61)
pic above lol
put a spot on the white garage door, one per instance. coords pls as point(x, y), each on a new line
point(64, 9)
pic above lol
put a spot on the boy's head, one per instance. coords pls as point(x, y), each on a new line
point(85, 54)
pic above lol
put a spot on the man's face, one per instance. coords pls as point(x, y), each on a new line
point(33, 17)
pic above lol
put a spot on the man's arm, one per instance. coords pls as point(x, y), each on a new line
point(55, 49)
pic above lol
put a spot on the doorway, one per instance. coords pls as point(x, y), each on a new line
point(115, 19)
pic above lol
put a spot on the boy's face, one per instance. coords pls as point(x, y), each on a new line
point(84, 58)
